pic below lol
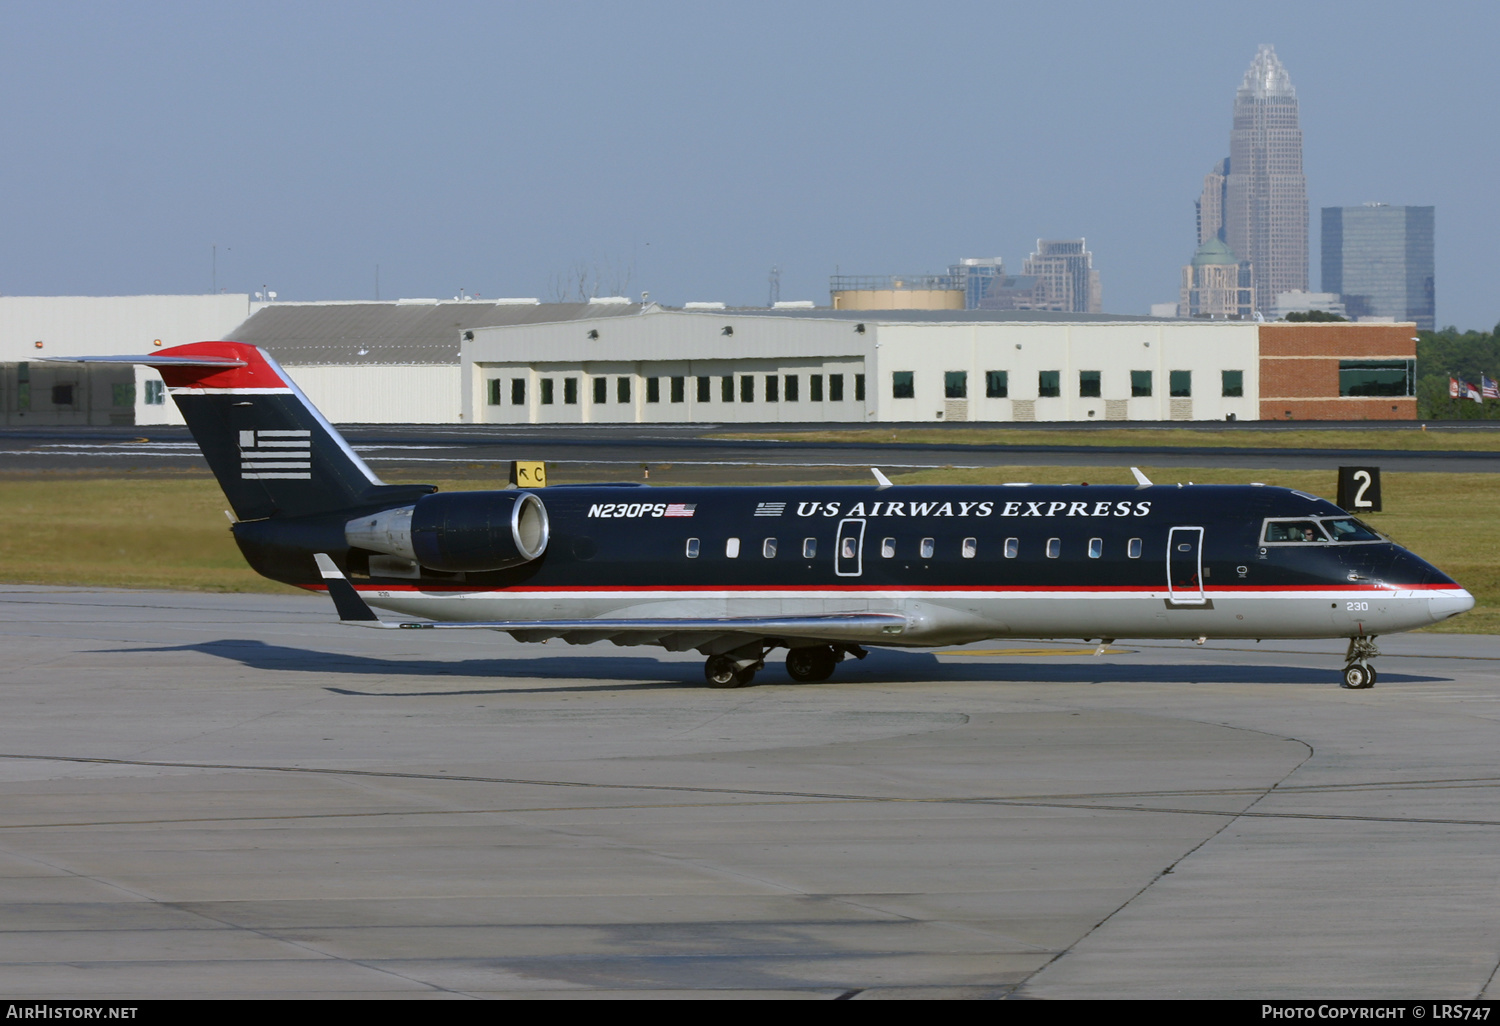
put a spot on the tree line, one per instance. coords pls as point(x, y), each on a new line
point(1459, 354)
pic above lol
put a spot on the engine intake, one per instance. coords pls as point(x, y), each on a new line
point(458, 531)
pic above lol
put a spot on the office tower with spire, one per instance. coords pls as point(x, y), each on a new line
point(1265, 191)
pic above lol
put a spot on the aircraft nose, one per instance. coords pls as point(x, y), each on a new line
point(1451, 604)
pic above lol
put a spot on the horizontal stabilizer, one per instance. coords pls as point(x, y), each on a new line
point(154, 360)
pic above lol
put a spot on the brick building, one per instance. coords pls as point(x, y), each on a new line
point(1337, 371)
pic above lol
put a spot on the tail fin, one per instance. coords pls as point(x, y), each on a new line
point(272, 451)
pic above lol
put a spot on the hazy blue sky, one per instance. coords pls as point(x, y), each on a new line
point(689, 147)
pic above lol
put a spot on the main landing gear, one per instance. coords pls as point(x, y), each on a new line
point(805, 665)
point(1359, 674)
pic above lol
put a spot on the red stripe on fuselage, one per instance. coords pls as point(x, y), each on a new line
point(918, 589)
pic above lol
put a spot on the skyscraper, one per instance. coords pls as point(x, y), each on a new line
point(1211, 203)
point(1265, 192)
point(1066, 279)
point(1380, 259)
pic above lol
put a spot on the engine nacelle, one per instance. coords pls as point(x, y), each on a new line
point(457, 531)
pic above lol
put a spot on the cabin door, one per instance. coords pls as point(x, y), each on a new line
point(847, 558)
point(1185, 566)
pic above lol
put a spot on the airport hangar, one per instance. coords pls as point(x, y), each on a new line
point(612, 361)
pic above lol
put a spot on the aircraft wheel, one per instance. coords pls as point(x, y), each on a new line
point(721, 672)
point(744, 677)
point(1358, 677)
point(810, 665)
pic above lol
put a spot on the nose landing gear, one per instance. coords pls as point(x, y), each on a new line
point(1359, 674)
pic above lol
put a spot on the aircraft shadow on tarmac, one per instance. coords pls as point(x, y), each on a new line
point(643, 673)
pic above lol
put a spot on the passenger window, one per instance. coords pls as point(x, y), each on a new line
point(768, 548)
point(887, 548)
point(1054, 548)
point(926, 548)
point(732, 548)
point(1096, 548)
point(692, 548)
point(809, 548)
point(1012, 548)
point(971, 546)
point(1134, 550)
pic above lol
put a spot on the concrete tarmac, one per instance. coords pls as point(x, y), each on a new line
point(233, 796)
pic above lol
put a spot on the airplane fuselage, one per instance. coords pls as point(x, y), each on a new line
point(962, 563)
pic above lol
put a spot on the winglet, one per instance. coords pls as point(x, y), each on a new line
point(351, 608)
point(1140, 479)
point(884, 482)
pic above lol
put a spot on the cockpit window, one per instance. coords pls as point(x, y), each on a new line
point(1347, 529)
point(1293, 532)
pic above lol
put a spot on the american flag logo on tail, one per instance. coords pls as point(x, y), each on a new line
point(680, 509)
point(276, 455)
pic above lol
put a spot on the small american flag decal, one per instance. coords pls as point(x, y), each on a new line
point(770, 509)
point(680, 509)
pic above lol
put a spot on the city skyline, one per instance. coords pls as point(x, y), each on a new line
point(689, 150)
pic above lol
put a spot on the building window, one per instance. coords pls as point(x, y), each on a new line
point(996, 384)
point(570, 391)
point(791, 388)
point(601, 391)
point(705, 388)
point(1088, 384)
point(1048, 384)
point(955, 384)
point(546, 391)
point(1181, 384)
point(622, 390)
point(835, 388)
point(773, 388)
point(1377, 377)
point(859, 388)
point(518, 391)
point(156, 393)
point(653, 390)
point(1140, 384)
point(123, 395)
point(679, 389)
point(1234, 383)
point(726, 388)
point(815, 388)
point(62, 395)
point(747, 388)
point(492, 385)
point(902, 385)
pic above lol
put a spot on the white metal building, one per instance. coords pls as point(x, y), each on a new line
point(33, 327)
point(661, 365)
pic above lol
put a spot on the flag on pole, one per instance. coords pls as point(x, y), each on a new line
point(1452, 388)
point(1470, 392)
point(1489, 387)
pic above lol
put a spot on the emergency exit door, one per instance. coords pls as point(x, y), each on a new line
point(848, 549)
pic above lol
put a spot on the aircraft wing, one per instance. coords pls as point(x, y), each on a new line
point(673, 633)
